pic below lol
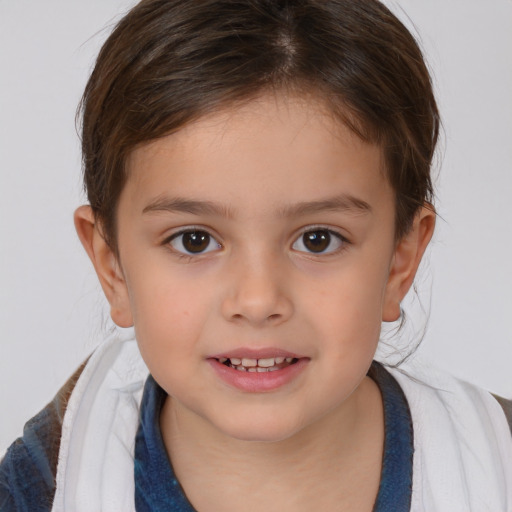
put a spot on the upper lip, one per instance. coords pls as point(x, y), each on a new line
point(255, 353)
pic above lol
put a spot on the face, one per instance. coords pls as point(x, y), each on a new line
point(256, 252)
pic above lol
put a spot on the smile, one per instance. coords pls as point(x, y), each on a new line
point(268, 364)
point(258, 371)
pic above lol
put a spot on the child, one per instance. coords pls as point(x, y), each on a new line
point(258, 175)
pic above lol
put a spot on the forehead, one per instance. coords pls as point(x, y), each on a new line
point(268, 150)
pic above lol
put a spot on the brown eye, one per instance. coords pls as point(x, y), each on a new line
point(318, 241)
point(194, 242)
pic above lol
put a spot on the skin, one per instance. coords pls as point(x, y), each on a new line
point(257, 285)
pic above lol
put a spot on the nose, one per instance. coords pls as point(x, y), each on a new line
point(257, 293)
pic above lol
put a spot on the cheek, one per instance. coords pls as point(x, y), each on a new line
point(348, 306)
point(168, 312)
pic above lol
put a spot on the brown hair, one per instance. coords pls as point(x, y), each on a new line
point(169, 62)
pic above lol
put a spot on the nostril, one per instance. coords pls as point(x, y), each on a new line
point(256, 310)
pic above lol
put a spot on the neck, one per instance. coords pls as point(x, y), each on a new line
point(337, 459)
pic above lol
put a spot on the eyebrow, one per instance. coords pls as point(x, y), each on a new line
point(340, 203)
point(179, 204)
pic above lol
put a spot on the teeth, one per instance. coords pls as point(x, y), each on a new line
point(246, 364)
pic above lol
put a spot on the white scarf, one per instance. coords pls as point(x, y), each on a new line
point(462, 442)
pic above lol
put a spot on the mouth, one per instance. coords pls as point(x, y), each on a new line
point(258, 370)
point(262, 365)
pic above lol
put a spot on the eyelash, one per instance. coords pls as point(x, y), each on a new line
point(299, 239)
point(343, 241)
point(190, 229)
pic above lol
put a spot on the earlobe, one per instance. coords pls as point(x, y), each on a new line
point(406, 260)
point(106, 265)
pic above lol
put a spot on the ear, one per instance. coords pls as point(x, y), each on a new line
point(106, 265)
point(406, 260)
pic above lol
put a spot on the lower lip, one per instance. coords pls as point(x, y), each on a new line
point(258, 382)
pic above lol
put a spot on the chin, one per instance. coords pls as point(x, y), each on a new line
point(262, 431)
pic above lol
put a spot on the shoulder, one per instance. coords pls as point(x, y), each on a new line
point(28, 469)
point(429, 385)
point(462, 442)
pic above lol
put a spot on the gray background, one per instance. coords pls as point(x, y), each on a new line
point(52, 313)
